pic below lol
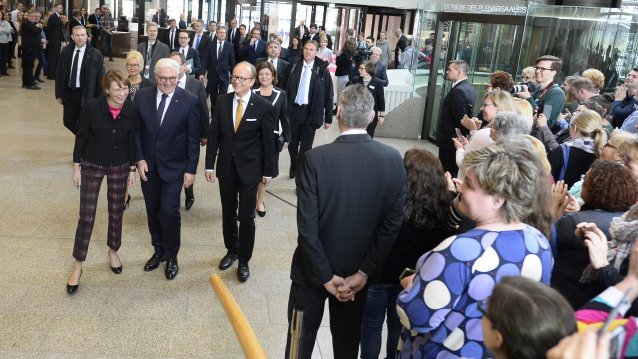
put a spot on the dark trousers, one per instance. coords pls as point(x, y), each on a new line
point(71, 110)
point(107, 40)
point(238, 203)
point(162, 210)
point(53, 54)
point(42, 63)
point(371, 128)
point(94, 37)
point(302, 134)
point(215, 87)
point(92, 175)
point(28, 59)
point(448, 160)
point(4, 51)
point(10, 51)
point(345, 320)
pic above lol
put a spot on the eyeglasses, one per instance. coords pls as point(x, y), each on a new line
point(132, 65)
point(362, 67)
point(541, 69)
point(239, 79)
point(610, 146)
point(168, 79)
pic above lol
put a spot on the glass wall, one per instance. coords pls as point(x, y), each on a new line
point(278, 14)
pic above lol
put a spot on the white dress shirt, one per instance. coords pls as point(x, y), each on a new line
point(244, 105)
point(80, 59)
point(306, 71)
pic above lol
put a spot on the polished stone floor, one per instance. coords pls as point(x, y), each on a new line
point(134, 314)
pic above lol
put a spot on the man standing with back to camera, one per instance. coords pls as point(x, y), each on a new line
point(350, 209)
point(457, 103)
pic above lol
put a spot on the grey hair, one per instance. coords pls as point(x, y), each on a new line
point(181, 56)
point(275, 42)
point(356, 106)
point(151, 24)
point(221, 27)
point(508, 124)
point(166, 63)
point(376, 48)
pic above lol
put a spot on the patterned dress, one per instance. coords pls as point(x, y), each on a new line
point(440, 310)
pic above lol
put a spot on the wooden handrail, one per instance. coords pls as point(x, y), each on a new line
point(244, 332)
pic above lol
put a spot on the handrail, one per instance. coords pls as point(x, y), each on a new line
point(244, 332)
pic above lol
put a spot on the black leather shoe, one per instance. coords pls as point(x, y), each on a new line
point(261, 213)
point(70, 289)
point(243, 272)
point(291, 173)
point(153, 263)
point(227, 261)
point(34, 87)
point(189, 203)
point(171, 269)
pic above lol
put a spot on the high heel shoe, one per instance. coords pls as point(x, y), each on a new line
point(128, 200)
point(116, 270)
point(70, 289)
point(261, 213)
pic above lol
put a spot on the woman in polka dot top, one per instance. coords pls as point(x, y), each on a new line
point(439, 307)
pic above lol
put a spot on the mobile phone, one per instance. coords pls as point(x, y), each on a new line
point(406, 273)
point(540, 109)
point(458, 133)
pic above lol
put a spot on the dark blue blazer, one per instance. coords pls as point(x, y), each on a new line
point(174, 146)
point(381, 74)
point(249, 54)
point(197, 65)
point(220, 67)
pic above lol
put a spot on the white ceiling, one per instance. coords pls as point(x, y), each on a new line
point(398, 4)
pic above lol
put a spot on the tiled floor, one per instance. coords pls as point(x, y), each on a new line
point(135, 314)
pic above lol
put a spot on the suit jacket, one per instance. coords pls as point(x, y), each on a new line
point(248, 52)
point(236, 39)
point(167, 39)
point(314, 37)
point(196, 87)
point(457, 103)
point(103, 141)
point(250, 149)
point(172, 147)
point(203, 44)
point(54, 31)
point(305, 33)
point(320, 96)
point(281, 120)
point(401, 44)
point(349, 209)
point(283, 67)
point(73, 22)
point(376, 89)
point(90, 74)
point(160, 51)
point(30, 35)
point(182, 25)
point(94, 21)
point(381, 74)
point(220, 67)
point(83, 20)
point(191, 53)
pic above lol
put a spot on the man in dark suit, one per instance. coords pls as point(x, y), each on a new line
point(457, 103)
point(167, 154)
point(75, 20)
point(349, 214)
point(94, 24)
point(241, 129)
point(401, 45)
point(234, 37)
point(30, 31)
point(218, 62)
point(309, 89)
point(302, 31)
point(170, 35)
point(81, 69)
point(200, 40)
point(193, 63)
point(282, 67)
point(313, 34)
point(195, 87)
point(255, 49)
point(54, 40)
point(380, 71)
point(152, 51)
point(182, 21)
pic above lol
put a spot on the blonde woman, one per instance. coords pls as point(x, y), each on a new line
point(494, 102)
point(628, 152)
point(587, 138)
point(324, 52)
point(134, 64)
point(597, 78)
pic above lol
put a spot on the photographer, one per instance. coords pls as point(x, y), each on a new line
point(548, 93)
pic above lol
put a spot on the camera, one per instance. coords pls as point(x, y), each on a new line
point(519, 87)
point(362, 55)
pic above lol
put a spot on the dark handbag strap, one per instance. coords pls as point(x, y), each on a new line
point(565, 151)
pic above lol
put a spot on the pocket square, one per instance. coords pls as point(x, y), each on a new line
point(251, 119)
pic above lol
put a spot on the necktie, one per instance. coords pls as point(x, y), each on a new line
point(273, 63)
point(160, 109)
point(239, 113)
point(232, 35)
point(183, 53)
point(172, 39)
point(219, 50)
point(301, 93)
point(197, 42)
point(256, 45)
point(74, 70)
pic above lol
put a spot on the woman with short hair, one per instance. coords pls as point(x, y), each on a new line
point(367, 79)
point(134, 64)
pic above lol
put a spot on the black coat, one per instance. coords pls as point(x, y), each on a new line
point(457, 103)
point(102, 140)
point(283, 67)
point(30, 35)
point(90, 74)
point(320, 97)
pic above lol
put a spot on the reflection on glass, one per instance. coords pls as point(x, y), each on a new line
point(278, 15)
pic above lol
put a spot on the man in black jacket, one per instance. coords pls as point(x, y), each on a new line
point(350, 209)
point(94, 24)
point(309, 90)
point(30, 43)
point(55, 36)
point(80, 72)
